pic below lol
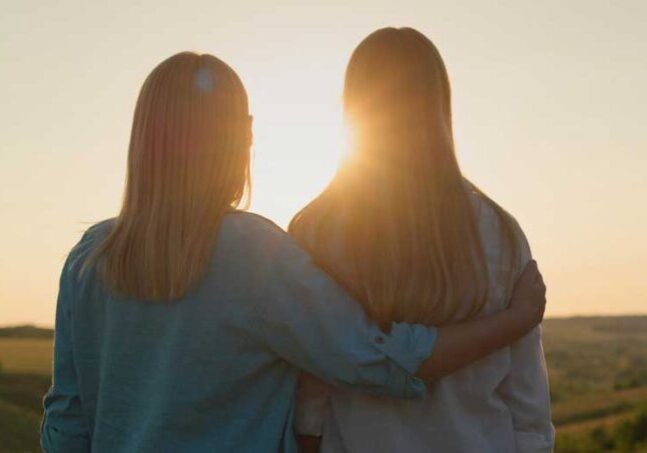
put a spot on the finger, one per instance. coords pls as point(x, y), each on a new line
point(539, 284)
point(540, 291)
point(530, 272)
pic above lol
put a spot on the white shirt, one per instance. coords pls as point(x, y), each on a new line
point(499, 404)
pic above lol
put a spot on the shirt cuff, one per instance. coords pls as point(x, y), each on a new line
point(408, 345)
point(535, 442)
point(53, 440)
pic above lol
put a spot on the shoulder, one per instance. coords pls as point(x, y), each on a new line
point(249, 225)
point(254, 234)
point(90, 239)
point(495, 222)
point(489, 211)
point(257, 246)
point(98, 230)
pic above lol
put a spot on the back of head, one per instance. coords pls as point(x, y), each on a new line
point(410, 230)
point(188, 164)
point(397, 99)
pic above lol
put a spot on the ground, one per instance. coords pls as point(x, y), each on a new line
point(597, 368)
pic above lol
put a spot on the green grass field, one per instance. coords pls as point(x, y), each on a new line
point(598, 377)
point(26, 355)
point(597, 368)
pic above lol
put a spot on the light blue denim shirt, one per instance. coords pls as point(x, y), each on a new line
point(216, 370)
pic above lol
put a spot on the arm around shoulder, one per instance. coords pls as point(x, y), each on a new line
point(306, 318)
point(461, 344)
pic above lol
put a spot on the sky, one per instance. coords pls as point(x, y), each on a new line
point(549, 99)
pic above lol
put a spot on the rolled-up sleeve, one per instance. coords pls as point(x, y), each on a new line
point(308, 319)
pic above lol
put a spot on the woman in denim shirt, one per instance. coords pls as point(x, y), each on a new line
point(182, 324)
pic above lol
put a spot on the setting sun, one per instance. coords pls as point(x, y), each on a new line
point(298, 142)
point(545, 143)
point(462, 270)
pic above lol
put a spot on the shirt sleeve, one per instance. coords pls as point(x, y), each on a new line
point(309, 321)
point(63, 428)
point(525, 390)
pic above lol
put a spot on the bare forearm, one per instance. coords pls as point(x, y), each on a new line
point(461, 344)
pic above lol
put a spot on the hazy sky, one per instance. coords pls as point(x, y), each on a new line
point(550, 103)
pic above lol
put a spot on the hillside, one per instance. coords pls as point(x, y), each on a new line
point(26, 331)
point(597, 368)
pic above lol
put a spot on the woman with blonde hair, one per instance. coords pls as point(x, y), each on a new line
point(404, 232)
point(182, 324)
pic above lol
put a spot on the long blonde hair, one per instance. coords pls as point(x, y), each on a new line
point(188, 164)
point(399, 202)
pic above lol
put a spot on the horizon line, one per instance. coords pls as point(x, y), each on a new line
point(560, 317)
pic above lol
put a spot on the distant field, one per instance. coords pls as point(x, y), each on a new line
point(598, 378)
point(20, 411)
point(26, 355)
point(595, 355)
point(576, 412)
point(597, 369)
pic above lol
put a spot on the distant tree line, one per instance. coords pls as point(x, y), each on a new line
point(26, 331)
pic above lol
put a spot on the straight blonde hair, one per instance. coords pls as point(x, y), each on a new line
point(188, 164)
point(399, 203)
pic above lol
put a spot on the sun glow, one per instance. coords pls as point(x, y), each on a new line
point(543, 142)
point(298, 146)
